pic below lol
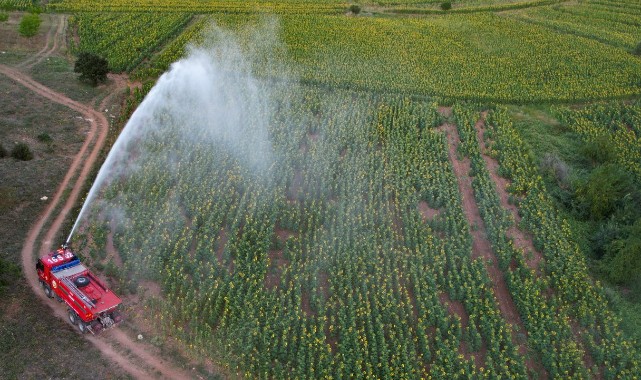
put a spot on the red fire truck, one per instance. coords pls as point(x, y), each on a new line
point(91, 305)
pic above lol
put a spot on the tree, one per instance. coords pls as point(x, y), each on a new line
point(355, 9)
point(446, 6)
point(29, 25)
point(92, 68)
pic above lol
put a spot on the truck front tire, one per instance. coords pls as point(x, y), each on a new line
point(82, 326)
point(47, 290)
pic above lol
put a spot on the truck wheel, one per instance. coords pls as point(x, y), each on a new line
point(73, 318)
point(47, 290)
point(82, 326)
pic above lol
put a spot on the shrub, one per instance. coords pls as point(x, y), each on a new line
point(22, 152)
point(29, 25)
point(551, 165)
point(637, 50)
point(624, 261)
point(44, 137)
point(92, 68)
point(599, 151)
point(599, 194)
point(4, 16)
point(355, 9)
point(446, 5)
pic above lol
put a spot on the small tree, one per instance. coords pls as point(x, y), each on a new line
point(446, 5)
point(355, 9)
point(92, 68)
point(29, 25)
point(22, 152)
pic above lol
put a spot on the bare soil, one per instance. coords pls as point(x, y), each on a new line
point(427, 213)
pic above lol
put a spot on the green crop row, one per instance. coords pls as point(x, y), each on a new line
point(580, 296)
point(126, 39)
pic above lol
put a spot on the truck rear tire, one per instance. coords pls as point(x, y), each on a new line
point(82, 326)
point(73, 317)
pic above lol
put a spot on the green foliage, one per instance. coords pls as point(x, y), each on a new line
point(4, 16)
point(45, 137)
point(355, 9)
point(21, 151)
point(29, 25)
point(9, 274)
point(92, 68)
point(623, 263)
point(446, 5)
point(126, 39)
point(599, 194)
point(637, 49)
point(599, 150)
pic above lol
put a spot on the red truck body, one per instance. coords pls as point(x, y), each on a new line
point(91, 305)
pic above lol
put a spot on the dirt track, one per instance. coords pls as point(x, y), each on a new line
point(116, 345)
point(55, 34)
point(480, 244)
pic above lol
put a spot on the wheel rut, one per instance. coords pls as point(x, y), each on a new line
point(115, 344)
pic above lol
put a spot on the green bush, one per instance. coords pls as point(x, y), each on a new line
point(4, 16)
point(599, 151)
point(446, 5)
point(22, 152)
point(355, 9)
point(599, 194)
point(29, 25)
point(623, 263)
point(92, 68)
point(637, 50)
point(45, 138)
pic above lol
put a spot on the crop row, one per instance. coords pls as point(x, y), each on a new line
point(547, 323)
point(579, 295)
point(473, 56)
point(126, 39)
point(195, 6)
point(619, 32)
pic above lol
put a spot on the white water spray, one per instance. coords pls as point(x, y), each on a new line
point(210, 94)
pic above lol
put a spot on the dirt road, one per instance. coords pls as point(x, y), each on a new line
point(116, 345)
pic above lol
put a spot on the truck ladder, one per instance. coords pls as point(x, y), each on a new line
point(78, 293)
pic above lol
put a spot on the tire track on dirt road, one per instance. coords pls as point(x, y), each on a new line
point(54, 34)
point(107, 343)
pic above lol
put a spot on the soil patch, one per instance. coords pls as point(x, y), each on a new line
point(427, 213)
